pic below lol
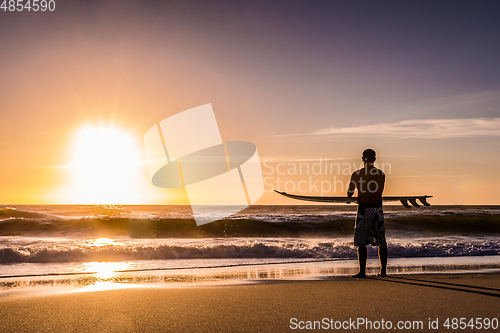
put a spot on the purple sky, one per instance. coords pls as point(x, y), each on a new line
point(418, 81)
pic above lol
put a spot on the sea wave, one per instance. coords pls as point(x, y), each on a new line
point(244, 249)
point(89, 221)
point(13, 213)
point(306, 226)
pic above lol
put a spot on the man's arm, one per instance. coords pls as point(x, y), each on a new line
point(383, 183)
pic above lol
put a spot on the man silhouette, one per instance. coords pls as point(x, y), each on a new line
point(369, 228)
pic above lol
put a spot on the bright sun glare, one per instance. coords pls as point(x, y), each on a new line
point(105, 270)
point(105, 166)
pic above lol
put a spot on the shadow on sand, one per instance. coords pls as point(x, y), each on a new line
point(443, 285)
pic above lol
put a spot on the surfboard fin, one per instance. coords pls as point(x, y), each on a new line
point(414, 202)
point(424, 201)
point(404, 202)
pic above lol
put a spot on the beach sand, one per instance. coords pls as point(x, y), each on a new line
point(263, 307)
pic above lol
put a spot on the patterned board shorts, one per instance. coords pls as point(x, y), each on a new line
point(370, 228)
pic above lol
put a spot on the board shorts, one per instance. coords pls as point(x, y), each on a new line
point(369, 228)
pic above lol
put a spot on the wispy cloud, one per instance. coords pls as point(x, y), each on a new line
point(428, 128)
point(288, 159)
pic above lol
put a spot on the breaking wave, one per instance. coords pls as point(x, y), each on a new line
point(243, 249)
point(240, 226)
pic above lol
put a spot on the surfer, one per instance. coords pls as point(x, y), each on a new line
point(369, 228)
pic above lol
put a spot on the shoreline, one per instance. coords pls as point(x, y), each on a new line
point(107, 273)
point(267, 306)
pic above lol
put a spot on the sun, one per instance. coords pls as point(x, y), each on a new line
point(105, 166)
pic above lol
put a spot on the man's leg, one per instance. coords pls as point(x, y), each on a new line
point(362, 256)
point(382, 255)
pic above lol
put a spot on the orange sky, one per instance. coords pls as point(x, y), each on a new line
point(296, 81)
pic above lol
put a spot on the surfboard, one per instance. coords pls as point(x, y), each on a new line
point(403, 199)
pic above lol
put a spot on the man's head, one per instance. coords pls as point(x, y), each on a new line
point(369, 156)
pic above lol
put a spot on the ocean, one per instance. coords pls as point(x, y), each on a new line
point(162, 242)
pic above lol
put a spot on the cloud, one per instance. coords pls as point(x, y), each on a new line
point(427, 128)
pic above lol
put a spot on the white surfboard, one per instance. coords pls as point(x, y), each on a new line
point(403, 199)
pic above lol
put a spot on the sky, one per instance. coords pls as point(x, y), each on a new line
point(308, 82)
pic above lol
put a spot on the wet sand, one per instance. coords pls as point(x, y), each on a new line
point(263, 307)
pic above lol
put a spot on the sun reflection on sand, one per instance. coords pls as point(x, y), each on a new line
point(105, 270)
point(107, 285)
